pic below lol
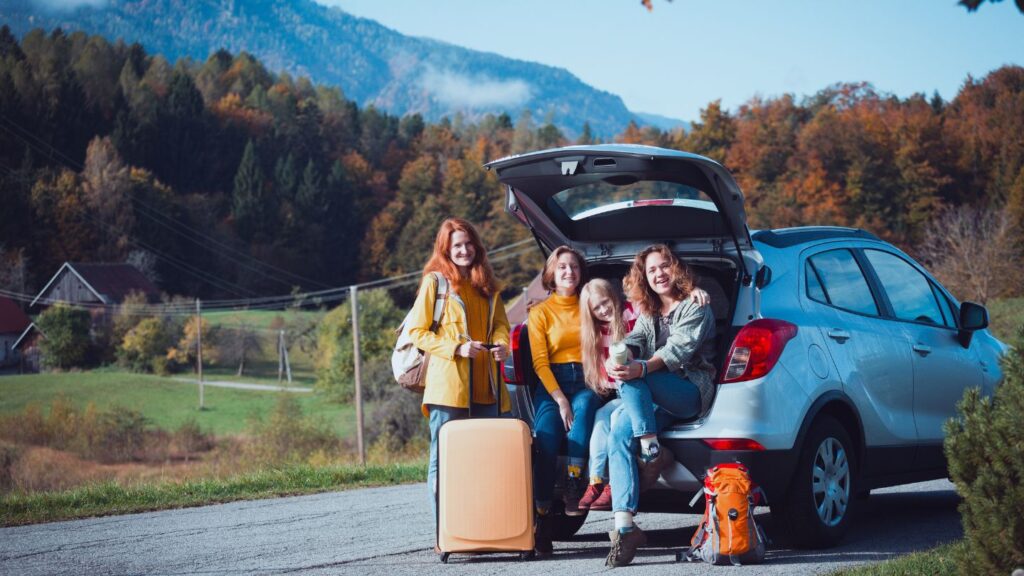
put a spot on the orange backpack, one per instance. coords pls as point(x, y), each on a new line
point(728, 532)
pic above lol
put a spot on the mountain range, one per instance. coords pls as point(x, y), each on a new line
point(372, 64)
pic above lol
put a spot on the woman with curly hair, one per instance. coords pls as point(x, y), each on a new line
point(670, 378)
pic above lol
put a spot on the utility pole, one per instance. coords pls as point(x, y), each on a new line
point(353, 295)
point(280, 355)
point(199, 350)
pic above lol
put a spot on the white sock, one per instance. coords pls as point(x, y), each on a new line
point(623, 520)
point(647, 442)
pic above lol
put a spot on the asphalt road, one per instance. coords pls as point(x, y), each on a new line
point(390, 531)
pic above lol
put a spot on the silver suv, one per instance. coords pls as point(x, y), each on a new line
point(840, 356)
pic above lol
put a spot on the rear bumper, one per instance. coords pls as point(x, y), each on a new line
point(771, 469)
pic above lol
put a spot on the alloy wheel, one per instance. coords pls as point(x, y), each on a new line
point(831, 482)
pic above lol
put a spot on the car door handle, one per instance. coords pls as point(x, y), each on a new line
point(922, 349)
point(839, 335)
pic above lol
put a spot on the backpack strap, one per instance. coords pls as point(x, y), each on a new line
point(440, 299)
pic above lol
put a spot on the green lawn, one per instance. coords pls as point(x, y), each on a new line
point(165, 402)
point(935, 562)
point(262, 318)
point(110, 498)
point(1006, 315)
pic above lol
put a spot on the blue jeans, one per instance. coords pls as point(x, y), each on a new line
point(549, 430)
point(599, 440)
point(438, 416)
point(648, 406)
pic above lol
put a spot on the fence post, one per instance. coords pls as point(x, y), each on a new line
point(199, 350)
point(353, 291)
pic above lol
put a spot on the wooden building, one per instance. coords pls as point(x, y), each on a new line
point(106, 284)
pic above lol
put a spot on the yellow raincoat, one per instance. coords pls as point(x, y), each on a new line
point(447, 380)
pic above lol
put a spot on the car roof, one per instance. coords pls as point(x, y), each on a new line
point(787, 237)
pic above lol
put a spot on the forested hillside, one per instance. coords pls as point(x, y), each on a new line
point(225, 178)
point(372, 64)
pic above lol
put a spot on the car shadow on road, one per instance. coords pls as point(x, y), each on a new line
point(888, 524)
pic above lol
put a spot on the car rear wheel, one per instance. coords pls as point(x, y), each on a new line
point(816, 510)
point(564, 527)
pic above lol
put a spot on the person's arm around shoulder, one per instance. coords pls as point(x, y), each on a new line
point(421, 316)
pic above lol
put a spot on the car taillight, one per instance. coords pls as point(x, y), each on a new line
point(512, 369)
point(756, 349)
point(733, 444)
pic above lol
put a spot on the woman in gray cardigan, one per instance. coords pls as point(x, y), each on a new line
point(670, 378)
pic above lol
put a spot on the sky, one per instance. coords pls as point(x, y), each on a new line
point(684, 54)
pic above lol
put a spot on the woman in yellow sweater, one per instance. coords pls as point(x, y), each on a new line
point(473, 319)
point(565, 406)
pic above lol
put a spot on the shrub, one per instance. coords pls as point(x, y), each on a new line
point(397, 421)
point(9, 454)
point(66, 340)
point(147, 340)
point(289, 436)
point(335, 361)
point(986, 461)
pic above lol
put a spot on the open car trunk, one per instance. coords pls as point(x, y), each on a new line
point(716, 277)
point(611, 201)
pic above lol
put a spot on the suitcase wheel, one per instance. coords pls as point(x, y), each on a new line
point(444, 557)
point(524, 556)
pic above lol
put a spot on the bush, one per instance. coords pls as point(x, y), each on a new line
point(9, 454)
point(986, 461)
point(335, 361)
point(398, 422)
point(288, 436)
point(146, 341)
point(66, 340)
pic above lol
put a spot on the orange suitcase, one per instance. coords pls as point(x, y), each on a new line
point(485, 487)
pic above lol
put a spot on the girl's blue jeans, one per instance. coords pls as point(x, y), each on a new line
point(550, 432)
point(648, 406)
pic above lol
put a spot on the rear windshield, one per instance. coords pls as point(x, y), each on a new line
point(592, 199)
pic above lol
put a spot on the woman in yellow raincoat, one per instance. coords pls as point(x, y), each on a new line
point(471, 338)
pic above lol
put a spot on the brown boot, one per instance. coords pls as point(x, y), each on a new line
point(650, 470)
point(624, 546)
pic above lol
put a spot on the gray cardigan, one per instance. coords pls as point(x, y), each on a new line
point(689, 349)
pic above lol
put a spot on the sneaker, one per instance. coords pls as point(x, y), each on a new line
point(573, 492)
point(624, 546)
point(542, 546)
point(593, 493)
point(651, 466)
point(604, 501)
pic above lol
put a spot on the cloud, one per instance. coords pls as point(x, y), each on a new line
point(65, 5)
point(461, 90)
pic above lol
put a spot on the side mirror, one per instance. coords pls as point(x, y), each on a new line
point(973, 317)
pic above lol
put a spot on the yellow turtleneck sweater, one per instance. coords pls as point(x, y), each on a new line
point(554, 328)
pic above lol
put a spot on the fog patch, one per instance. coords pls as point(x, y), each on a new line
point(475, 91)
point(68, 5)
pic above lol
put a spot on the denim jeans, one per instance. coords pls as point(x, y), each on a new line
point(549, 430)
point(599, 440)
point(438, 416)
point(648, 406)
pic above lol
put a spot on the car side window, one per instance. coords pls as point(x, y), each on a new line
point(814, 289)
point(910, 292)
point(842, 282)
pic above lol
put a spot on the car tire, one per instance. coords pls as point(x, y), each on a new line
point(564, 527)
point(816, 510)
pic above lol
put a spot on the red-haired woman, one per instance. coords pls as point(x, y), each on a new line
point(671, 378)
point(473, 317)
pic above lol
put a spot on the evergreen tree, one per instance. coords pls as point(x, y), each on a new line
point(250, 202)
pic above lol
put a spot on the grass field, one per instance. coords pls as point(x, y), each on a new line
point(167, 403)
point(935, 562)
point(1005, 317)
point(110, 498)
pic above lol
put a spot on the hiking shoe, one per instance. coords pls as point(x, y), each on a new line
point(651, 466)
point(593, 493)
point(624, 546)
point(573, 492)
point(542, 546)
point(604, 500)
